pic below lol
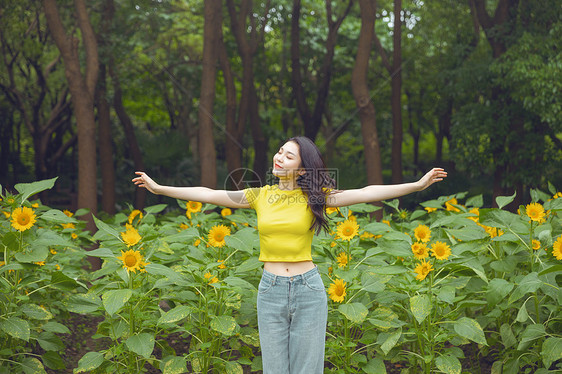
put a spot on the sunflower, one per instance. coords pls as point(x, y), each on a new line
point(68, 213)
point(422, 233)
point(535, 211)
point(337, 290)
point(23, 218)
point(134, 214)
point(197, 242)
point(184, 226)
point(132, 260)
point(131, 236)
point(420, 250)
point(211, 278)
point(440, 250)
point(536, 244)
point(217, 235)
point(430, 209)
point(403, 214)
point(492, 231)
point(192, 207)
point(330, 210)
point(450, 205)
point(422, 270)
point(475, 211)
point(348, 229)
point(226, 212)
point(74, 235)
point(557, 195)
point(6, 214)
point(68, 225)
point(557, 251)
point(367, 235)
point(343, 259)
point(222, 265)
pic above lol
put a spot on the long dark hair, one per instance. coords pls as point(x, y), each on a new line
point(316, 182)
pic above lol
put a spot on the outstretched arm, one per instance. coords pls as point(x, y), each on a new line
point(231, 199)
point(383, 192)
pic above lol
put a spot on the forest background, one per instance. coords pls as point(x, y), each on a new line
point(194, 92)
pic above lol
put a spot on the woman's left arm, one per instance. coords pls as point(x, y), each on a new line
point(383, 192)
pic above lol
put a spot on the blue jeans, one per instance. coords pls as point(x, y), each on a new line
point(292, 315)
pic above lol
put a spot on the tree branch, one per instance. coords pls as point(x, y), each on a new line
point(382, 52)
point(90, 44)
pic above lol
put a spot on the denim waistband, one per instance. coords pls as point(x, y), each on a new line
point(270, 277)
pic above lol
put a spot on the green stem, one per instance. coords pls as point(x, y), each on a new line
point(538, 317)
point(429, 322)
point(346, 335)
point(132, 360)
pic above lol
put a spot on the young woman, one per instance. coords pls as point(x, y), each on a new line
point(292, 300)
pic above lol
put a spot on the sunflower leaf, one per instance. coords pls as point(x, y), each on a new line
point(225, 325)
point(16, 327)
point(504, 200)
point(56, 216)
point(115, 299)
point(448, 364)
point(175, 315)
point(470, 329)
point(89, 362)
point(104, 227)
point(420, 305)
point(29, 189)
point(142, 344)
point(551, 351)
point(243, 240)
point(355, 312)
point(530, 283)
point(173, 365)
point(391, 341)
point(37, 253)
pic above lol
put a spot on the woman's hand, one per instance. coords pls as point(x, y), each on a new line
point(432, 176)
point(143, 180)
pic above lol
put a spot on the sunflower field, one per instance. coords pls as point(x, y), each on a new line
point(437, 289)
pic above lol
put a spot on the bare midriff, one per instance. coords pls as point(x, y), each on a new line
point(288, 269)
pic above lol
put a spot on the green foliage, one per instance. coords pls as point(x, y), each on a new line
point(166, 274)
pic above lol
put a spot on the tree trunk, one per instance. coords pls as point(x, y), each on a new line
point(249, 103)
point(233, 140)
point(260, 143)
point(373, 163)
point(396, 96)
point(105, 139)
point(82, 94)
point(211, 40)
point(105, 147)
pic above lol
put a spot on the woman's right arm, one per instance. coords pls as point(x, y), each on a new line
point(230, 199)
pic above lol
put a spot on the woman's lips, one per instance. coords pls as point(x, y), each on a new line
point(278, 167)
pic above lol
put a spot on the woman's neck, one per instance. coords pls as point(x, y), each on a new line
point(288, 184)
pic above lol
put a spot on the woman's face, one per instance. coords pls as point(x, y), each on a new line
point(287, 161)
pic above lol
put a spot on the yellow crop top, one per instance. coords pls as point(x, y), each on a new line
point(284, 221)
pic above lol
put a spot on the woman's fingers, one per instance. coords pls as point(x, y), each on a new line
point(141, 180)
